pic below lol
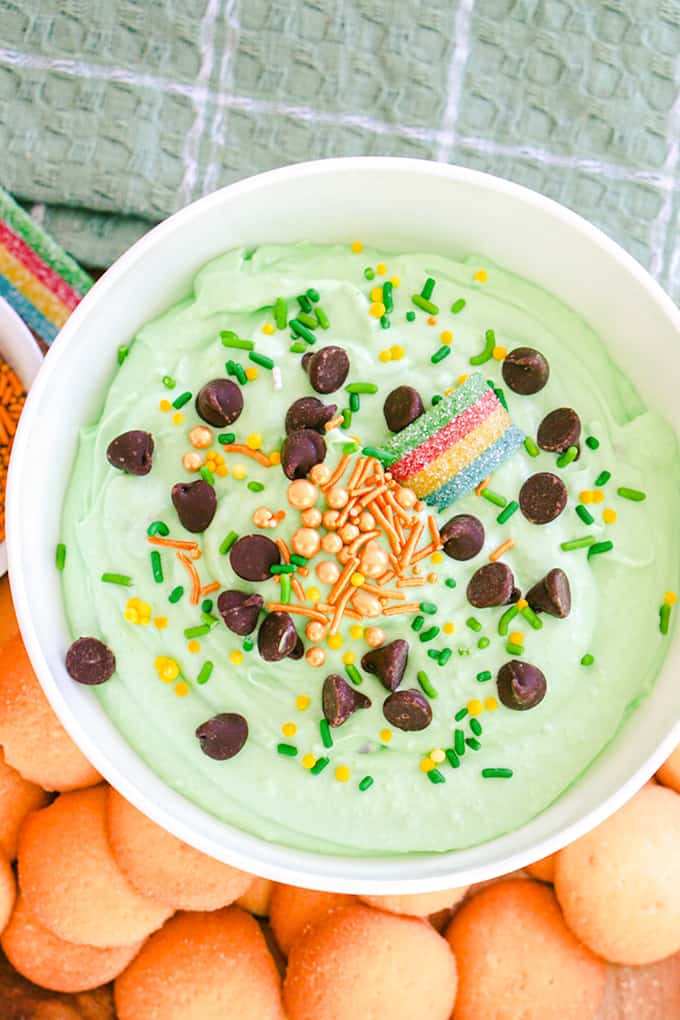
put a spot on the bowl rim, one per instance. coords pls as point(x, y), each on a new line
point(343, 873)
point(20, 349)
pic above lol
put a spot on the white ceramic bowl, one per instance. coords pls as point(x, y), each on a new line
point(21, 352)
point(395, 204)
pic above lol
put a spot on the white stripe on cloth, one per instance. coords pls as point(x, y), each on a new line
point(658, 179)
point(456, 77)
point(192, 142)
point(218, 126)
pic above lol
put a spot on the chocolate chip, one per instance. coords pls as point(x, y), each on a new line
point(195, 503)
point(525, 371)
point(300, 452)
point(131, 452)
point(277, 637)
point(491, 585)
point(559, 430)
point(340, 701)
point(298, 650)
point(308, 413)
point(240, 610)
point(402, 406)
point(463, 537)
point(223, 736)
point(388, 663)
point(253, 556)
point(407, 710)
point(520, 685)
point(219, 402)
point(551, 595)
point(542, 498)
point(90, 661)
point(327, 368)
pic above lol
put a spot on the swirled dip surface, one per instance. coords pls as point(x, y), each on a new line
point(616, 595)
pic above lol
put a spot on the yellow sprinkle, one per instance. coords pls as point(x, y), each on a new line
point(239, 471)
point(609, 516)
point(437, 557)
point(376, 294)
point(481, 276)
point(598, 496)
point(475, 707)
point(289, 729)
point(165, 405)
point(448, 391)
point(161, 622)
point(131, 615)
point(499, 352)
point(342, 773)
point(252, 373)
point(357, 247)
point(381, 269)
point(521, 604)
point(490, 704)
point(397, 352)
point(166, 668)
point(268, 328)
point(426, 765)
point(177, 418)
point(221, 471)
point(449, 628)
point(461, 379)
point(194, 646)
point(275, 457)
point(586, 496)
point(349, 658)
point(254, 441)
point(356, 631)
point(437, 756)
point(313, 594)
point(357, 579)
point(386, 736)
point(516, 637)
point(308, 761)
point(335, 641)
point(446, 336)
point(302, 702)
point(236, 657)
point(395, 281)
point(385, 355)
point(182, 689)
point(377, 310)
point(670, 598)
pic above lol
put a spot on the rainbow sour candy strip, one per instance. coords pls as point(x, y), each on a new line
point(449, 450)
point(41, 282)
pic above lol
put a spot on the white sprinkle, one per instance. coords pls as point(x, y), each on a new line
point(276, 375)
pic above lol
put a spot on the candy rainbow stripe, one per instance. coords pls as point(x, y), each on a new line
point(450, 449)
point(41, 282)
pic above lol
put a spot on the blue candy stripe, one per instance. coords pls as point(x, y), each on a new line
point(45, 329)
point(477, 470)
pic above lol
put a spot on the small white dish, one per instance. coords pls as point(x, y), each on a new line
point(19, 349)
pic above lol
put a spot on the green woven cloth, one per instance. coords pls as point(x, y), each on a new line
point(115, 113)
